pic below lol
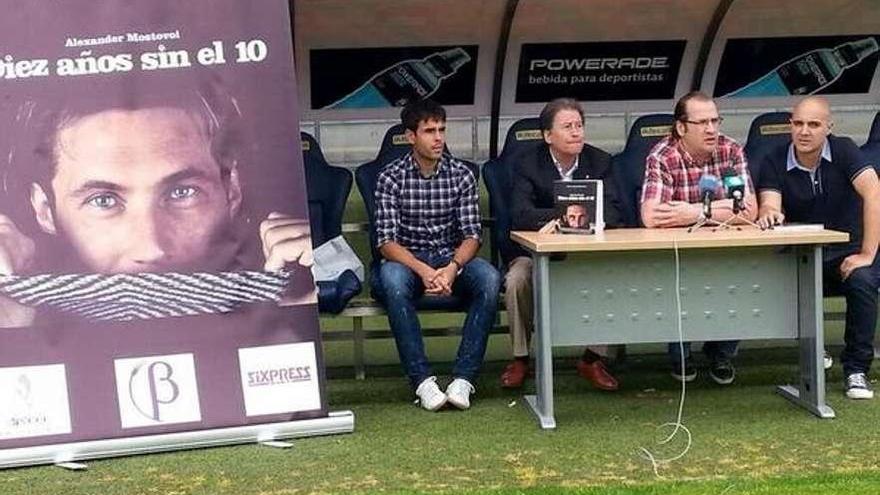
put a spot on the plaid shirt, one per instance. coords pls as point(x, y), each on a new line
point(427, 214)
point(671, 174)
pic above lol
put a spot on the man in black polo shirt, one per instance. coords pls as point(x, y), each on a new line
point(822, 178)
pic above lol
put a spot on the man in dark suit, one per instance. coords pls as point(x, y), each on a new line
point(562, 156)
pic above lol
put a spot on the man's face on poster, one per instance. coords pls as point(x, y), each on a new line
point(576, 215)
point(137, 191)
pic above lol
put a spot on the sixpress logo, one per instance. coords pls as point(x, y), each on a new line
point(279, 378)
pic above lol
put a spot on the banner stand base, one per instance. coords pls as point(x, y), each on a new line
point(72, 466)
point(67, 453)
point(276, 444)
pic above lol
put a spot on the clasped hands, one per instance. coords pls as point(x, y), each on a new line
point(438, 281)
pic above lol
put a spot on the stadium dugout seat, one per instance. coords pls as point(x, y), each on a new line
point(394, 145)
point(327, 188)
point(871, 148)
point(524, 134)
point(628, 166)
point(766, 132)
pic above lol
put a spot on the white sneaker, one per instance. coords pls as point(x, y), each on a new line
point(459, 393)
point(857, 387)
point(827, 361)
point(430, 396)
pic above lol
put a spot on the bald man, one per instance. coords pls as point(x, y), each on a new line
point(822, 178)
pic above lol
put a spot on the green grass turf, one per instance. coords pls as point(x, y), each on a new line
point(746, 439)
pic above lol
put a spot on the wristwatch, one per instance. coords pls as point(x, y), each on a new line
point(458, 265)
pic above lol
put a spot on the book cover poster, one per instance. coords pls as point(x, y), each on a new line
point(153, 219)
point(579, 206)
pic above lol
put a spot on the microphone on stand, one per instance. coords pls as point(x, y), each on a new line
point(736, 189)
point(708, 185)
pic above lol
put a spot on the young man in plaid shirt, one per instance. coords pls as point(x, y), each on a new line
point(428, 226)
point(671, 198)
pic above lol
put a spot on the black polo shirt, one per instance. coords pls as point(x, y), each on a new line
point(828, 197)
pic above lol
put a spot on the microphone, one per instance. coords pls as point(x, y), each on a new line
point(736, 189)
point(708, 185)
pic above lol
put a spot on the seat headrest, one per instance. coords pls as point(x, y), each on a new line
point(394, 145)
point(874, 135)
point(311, 150)
point(394, 141)
point(523, 134)
point(770, 126)
point(766, 131)
point(648, 129)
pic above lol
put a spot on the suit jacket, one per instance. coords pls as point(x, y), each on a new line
point(532, 200)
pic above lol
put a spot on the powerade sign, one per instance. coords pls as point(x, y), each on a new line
point(620, 70)
point(794, 66)
point(352, 78)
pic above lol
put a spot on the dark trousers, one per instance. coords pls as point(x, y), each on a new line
point(860, 291)
point(398, 288)
point(721, 350)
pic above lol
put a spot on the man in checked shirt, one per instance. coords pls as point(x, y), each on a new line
point(428, 226)
point(671, 198)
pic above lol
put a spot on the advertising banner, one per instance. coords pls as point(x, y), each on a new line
point(153, 222)
point(392, 77)
point(793, 66)
point(599, 71)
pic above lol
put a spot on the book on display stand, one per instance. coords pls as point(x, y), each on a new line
point(579, 206)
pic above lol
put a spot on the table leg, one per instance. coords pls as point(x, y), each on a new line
point(542, 403)
point(810, 392)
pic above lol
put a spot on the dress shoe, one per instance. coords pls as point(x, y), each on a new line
point(514, 374)
point(597, 374)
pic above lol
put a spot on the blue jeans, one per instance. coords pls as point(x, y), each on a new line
point(722, 350)
point(860, 291)
point(399, 288)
